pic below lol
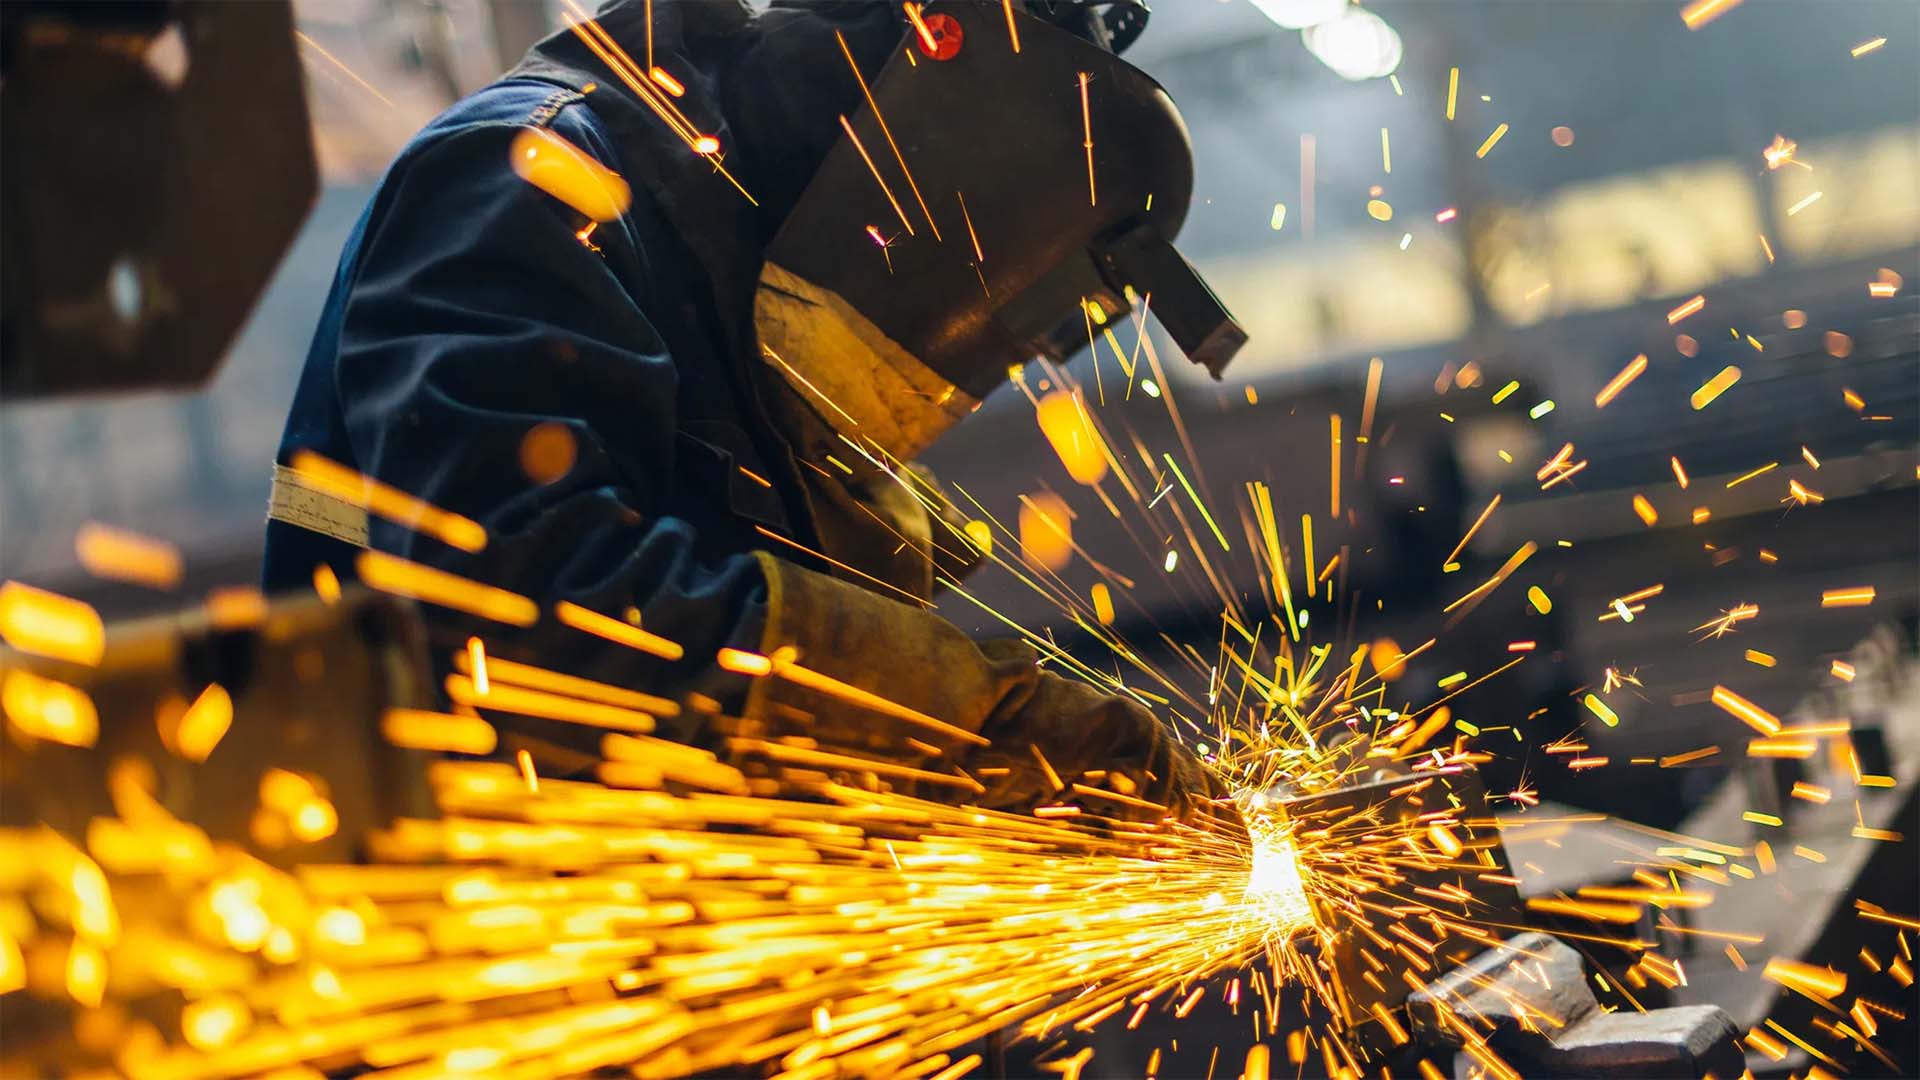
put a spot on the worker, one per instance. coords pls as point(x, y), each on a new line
point(694, 408)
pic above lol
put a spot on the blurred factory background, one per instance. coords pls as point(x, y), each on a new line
point(1344, 217)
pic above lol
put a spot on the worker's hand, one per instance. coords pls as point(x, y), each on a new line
point(1106, 753)
point(987, 708)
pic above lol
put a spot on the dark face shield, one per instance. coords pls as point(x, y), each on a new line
point(1111, 24)
point(963, 221)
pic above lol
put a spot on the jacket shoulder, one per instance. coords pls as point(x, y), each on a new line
point(514, 102)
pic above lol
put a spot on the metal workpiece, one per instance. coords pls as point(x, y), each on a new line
point(158, 162)
point(1370, 975)
point(1528, 1001)
point(207, 704)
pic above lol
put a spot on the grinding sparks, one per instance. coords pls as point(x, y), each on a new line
point(540, 892)
point(477, 665)
point(1201, 506)
point(1699, 13)
point(48, 624)
point(1691, 307)
point(1621, 381)
point(1086, 122)
point(1752, 715)
point(1749, 475)
point(40, 708)
point(620, 633)
point(1801, 494)
point(1333, 425)
point(357, 489)
point(1103, 604)
point(192, 733)
point(1514, 562)
point(1557, 467)
point(927, 40)
point(1824, 984)
point(402, 577)
point(1779, 152)
point(439, 732)
point(665, 81)
point(546, 160)
point(123, 556)
point(1599, 708)
point(1855, 597)
point(326, 584)
point(913, 10)
point(1714, 387)
point(351, 74)
point(1474, 528)
point(1644, 509)
point(877, 178)
point(510, 933)
point(1492, 140)
point(1274, 886)
point(1063, 419)
point(637, 79)
point(1728, 620)
point(1046, 530)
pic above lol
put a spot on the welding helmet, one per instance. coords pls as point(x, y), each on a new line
point(1006, 179)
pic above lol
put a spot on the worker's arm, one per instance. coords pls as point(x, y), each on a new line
point(1048, 738)
point(476, 315)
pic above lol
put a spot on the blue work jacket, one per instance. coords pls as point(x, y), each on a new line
point(471, 308)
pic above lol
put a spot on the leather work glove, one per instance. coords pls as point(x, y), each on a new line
point(1082, 730)
point(953, 706)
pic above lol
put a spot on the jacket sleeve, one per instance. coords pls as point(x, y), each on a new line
point(477, 316)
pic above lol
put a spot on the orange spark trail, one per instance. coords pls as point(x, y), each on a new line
point(347, 71)
point(882, 120)
point(877, 178)
point(1619, 382)
point(1086, 122)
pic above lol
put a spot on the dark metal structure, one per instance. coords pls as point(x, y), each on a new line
point(155, 163)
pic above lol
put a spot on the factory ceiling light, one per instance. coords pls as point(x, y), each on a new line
point(1300, 14)
point(1357, 45)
